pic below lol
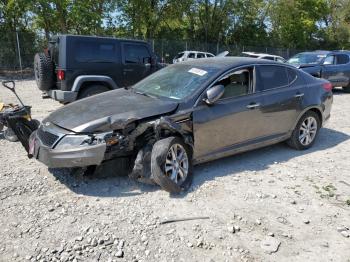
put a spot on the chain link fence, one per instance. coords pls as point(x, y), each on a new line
point(17, 50)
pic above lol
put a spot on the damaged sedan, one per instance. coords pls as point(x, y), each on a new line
point(186, 114)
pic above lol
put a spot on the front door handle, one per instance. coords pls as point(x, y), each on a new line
point(253, 105)
point(128, 70)
point(299, 95)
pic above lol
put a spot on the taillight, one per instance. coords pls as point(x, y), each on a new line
point(327, 86)
point(60, 74)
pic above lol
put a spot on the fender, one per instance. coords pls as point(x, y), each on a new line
point(317, 107)
point(92, 78)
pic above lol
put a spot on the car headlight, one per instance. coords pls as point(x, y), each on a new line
point(76, 141)
point(73, 141)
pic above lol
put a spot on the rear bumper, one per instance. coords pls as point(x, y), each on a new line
point(63, 96)
point(77, 157)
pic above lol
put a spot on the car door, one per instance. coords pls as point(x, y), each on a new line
point(232, 120)
point(282, 90)
point(336, 69)
point(136, 62)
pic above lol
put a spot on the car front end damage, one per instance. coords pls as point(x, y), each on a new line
point(57, 147)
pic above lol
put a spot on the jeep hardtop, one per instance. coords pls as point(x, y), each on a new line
point(74, 67)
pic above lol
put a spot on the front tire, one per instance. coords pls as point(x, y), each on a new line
point(171, 164)
point(305, 132)
point(92, 90)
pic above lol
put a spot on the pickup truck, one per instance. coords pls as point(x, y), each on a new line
point(333, 66)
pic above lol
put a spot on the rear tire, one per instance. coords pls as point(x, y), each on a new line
point(178, 176)
point(44, 72)
point(305, 132)
point(346, 89)
point(92, 90)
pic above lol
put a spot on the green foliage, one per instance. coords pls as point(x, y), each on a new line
point(302, 24)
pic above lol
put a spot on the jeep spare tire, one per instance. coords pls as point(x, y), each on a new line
point(44, 72)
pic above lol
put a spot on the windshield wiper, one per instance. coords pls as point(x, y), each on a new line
point(144, 94)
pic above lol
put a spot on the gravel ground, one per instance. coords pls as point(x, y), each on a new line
point(272, 204)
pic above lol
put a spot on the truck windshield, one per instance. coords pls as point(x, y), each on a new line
point(176, 81)
point(300, 59)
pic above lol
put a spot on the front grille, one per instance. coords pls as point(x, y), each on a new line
point(47, 138)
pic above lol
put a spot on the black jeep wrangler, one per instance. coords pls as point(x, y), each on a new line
point(74, 67)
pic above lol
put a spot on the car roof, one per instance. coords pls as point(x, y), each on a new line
point(193, 51)
point(227, 62)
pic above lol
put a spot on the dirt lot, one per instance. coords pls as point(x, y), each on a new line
point(276, 197)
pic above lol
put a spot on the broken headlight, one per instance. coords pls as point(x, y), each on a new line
point(73, 141)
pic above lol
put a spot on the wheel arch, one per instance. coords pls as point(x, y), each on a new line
point(85, 80)
point(316, 109)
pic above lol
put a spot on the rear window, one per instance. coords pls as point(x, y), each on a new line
point(342, 59)
point(272, 77)
point(93, 51)
point(200, 55)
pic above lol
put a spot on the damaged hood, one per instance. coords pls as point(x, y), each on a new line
point(109, 111)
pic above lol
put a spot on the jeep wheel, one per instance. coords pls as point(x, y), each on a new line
point(171, 164)
point(44, 72)
point(92, 90)
point(305, 132)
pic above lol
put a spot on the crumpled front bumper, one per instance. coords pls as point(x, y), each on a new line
point(77, 157)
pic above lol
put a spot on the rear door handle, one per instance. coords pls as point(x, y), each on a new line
point(128, 70)
point(253, 105)
point(299, 95)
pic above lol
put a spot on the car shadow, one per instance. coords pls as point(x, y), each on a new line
point(262, 158)
point(256, 160)
point(118, 185)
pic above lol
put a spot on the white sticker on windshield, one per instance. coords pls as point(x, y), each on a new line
point(197, 71)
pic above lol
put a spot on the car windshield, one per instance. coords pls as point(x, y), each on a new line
point(179, 55)
point(176, 81)
point(300, 59)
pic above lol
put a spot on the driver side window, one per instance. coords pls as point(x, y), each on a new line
point(329, 60)
point(236, 84)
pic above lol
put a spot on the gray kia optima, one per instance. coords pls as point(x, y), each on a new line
point(187, 114)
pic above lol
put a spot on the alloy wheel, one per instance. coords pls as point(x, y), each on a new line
point(308, 131)
point(176, 164)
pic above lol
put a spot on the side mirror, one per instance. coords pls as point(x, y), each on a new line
point(214, 94)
